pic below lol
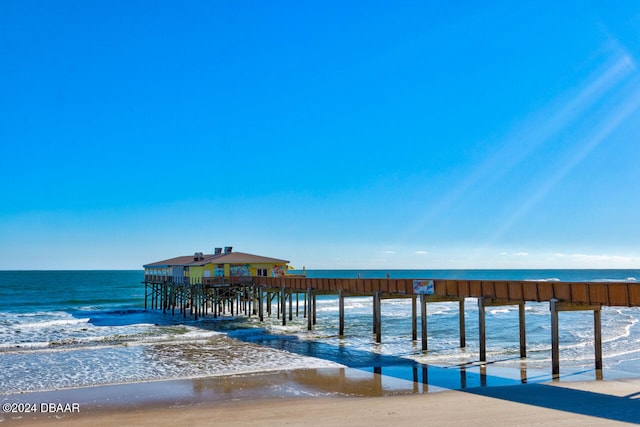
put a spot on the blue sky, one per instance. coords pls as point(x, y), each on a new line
point(333, 134)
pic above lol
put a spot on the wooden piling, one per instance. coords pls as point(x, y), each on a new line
point(314, 309)
point(423, 320)
point(555, 346)
point(482, 330)
point(284, 306)
point(309, 309)
point(304, 311)
point(378, 317)
point(463, 334)
point(414, 319)
point(374, 314)
point(341, 312)
point(268, 300)
point(216, 302)
point(163, 299)
point(254, 296)
point(173, 298)
point(597, 335)
point(523, 331)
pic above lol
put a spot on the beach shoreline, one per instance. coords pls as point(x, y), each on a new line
point(115, 363)
point(318, 398)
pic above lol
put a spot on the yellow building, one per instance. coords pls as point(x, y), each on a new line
point(199, 267)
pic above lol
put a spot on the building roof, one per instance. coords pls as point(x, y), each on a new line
point(180, 260)
point(228, 258)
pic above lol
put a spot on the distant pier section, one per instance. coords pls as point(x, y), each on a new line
point(240, 283)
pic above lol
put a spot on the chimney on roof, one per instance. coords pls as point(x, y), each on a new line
point(228, 249)
point(218, 251)
point(198, 256)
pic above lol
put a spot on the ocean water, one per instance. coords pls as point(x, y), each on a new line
point(68, 329)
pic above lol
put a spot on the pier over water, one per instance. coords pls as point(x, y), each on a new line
point(259, 295)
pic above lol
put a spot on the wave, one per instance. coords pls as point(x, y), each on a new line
point(140, 336)
point(53, 323)
point(23, 346)
point(499, 311)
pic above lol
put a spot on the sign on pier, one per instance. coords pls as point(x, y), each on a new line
point(424, 287)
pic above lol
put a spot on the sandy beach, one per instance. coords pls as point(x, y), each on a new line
point(193, 402)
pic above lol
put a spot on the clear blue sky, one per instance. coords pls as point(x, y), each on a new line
point(333, 134)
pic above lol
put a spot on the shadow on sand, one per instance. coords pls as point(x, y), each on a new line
point(470, 378)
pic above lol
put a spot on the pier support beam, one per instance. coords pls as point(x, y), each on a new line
point(523, 331)
point(488, 302)
point(254, 295)
point(290, 306)
point(597, 339)
point(414, 319)
point(284, 306)
point(341, 310)
point(314, 308)
point(463, 335)
point(377, 317)
point(482, 330)
point(310, 310)
point(423, 320)
point(557, 306)
point(214, 307)
point(555, 339)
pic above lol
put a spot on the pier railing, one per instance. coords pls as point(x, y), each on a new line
point(206, 281)
point(624, 294)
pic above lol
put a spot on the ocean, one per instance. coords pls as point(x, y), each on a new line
point(70, 329)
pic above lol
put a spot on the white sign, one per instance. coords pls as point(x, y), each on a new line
point(423, 287)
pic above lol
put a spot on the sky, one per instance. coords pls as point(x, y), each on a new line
point(340, 135)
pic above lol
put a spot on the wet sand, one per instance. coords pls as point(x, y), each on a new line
point(328, 398)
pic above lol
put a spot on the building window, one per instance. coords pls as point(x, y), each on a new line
point(262, 272)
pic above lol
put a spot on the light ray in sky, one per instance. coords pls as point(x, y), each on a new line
point(529, 136)
point(600, 132)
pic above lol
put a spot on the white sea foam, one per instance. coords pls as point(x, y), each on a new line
point(53, 323)
point(24, 346)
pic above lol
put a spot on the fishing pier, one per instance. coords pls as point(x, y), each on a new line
point(257, 296)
